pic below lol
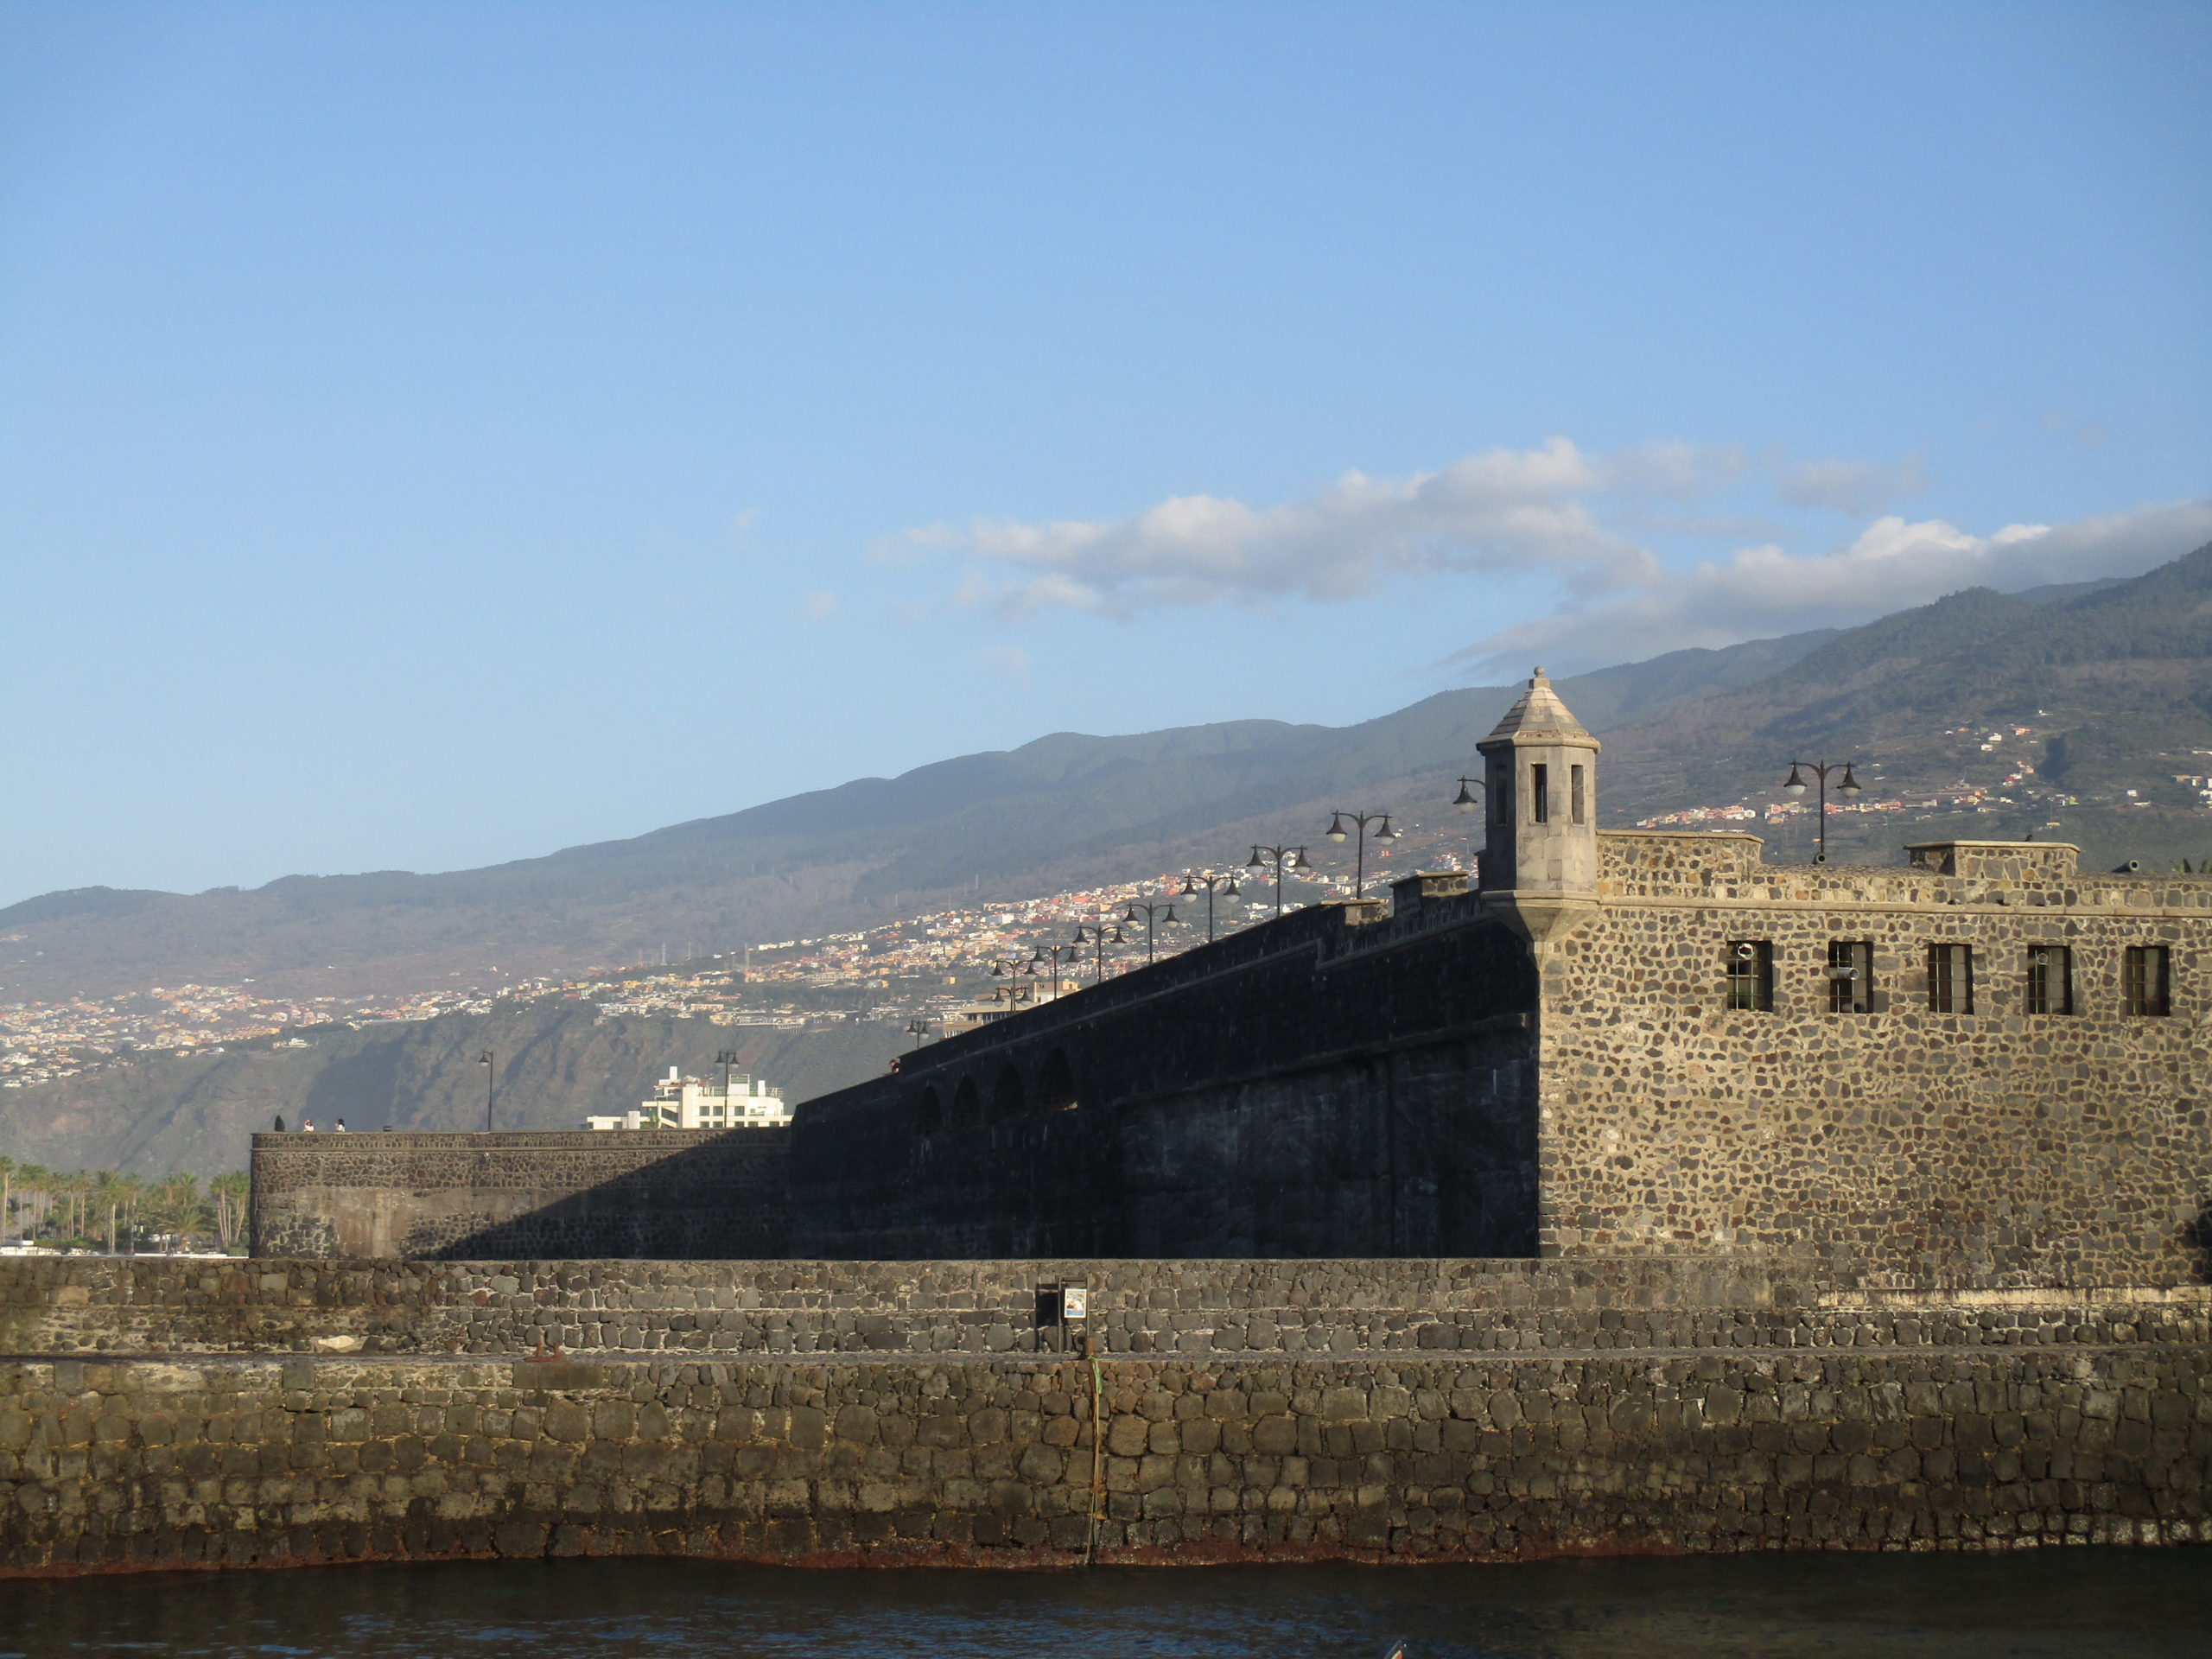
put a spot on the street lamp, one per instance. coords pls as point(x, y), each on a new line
point(490, 1073)
point(918, 1028)
point(1098, 938)
point(725, 1059)
point(1010, 968)
point(1820, 769)
point(1294, 857)
point(1360, 820)
point(1192, 883)
point(1051, 958)
point(1164, 913)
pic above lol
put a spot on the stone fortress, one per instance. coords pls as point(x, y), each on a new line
point(1641, 1196)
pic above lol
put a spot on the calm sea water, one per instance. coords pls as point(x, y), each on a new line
point(2075, 1604)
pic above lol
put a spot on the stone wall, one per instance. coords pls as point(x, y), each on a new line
point(259, 1461)
point(681, 1193)
point(1287, 1092)
point(96, 1307)
point(1990, 1147)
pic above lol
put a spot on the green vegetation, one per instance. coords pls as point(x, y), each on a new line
point(102, 1210)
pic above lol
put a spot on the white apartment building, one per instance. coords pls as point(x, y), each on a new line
point(682, 1103)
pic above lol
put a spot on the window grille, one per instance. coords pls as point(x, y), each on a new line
point(1950, 979)
point(1850, 976)
point(1539, 795)
point(2050, 980)
point(2145, 980)
point(1750, 976)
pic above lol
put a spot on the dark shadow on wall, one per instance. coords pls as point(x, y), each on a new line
point(2197, 1236)
point(721, 1200)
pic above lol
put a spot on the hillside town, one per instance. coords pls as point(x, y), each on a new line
point(936, 967)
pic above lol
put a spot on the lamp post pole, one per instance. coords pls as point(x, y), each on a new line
point(1226, 883)
point(1163, 913)
point(918, 1028)
point(1051, 959)
point(1464, 801)
point(1278, 856)
point(725, 1059)
point(1820, 769)
point(1097, 937)
point(1361, 820)
point(490, 1074)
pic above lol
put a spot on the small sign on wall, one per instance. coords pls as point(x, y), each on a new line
point(1075, 1301)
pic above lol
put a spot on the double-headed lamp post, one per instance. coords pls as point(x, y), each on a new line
point(1360, 820)
point(1049, 956)
point(1192, 883)
point(1010, 968)
point(1820, 769)
point(1163, 913)
point(1097, 938)
point(918, 1027)
point(1281, 857)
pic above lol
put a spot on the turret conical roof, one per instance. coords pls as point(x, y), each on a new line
point(1537, 712)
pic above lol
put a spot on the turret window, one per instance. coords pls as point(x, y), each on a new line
point(1578, 794)
point(1950, 979)
point(1850, 976)
point(1539, 795)
point(1750, 976)
point(2146, 982)
point(2050, 980)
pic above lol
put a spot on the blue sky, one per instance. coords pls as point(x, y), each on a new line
point(437, 434)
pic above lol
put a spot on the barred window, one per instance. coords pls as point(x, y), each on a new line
point(1539, 795)
point(1950, 979)
point(1850, 976)
point(1750, 976)
point(2145, 982)
point(2050, 980)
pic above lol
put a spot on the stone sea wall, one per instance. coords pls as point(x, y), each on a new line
point(98, 1305)
point(239, 1461)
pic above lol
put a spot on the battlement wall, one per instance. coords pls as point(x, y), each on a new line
point(549, 1193)
point(1229, 1101)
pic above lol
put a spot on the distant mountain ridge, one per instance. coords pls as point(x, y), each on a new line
point(2115, 678)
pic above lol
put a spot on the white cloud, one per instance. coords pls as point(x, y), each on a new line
point(1892, 565)
point(1505, 510)
point(818, 607)
point(1858, 487)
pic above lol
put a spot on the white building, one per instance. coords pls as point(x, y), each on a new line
point(682, 1103)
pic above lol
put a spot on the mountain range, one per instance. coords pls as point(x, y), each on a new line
point(2096, 689)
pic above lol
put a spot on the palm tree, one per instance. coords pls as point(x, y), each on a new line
point(134, 1190)
point(32, 1178)
point(107, 1191)
point(230, 1193)
point(175, 1197)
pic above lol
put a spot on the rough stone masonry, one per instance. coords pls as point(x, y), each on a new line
point(259, 1461)
point(810, 1412)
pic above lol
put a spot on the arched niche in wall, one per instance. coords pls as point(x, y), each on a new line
point(967, 1105)
point(1056, 1085)
point(1008, 1098)
point(928, 1115)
